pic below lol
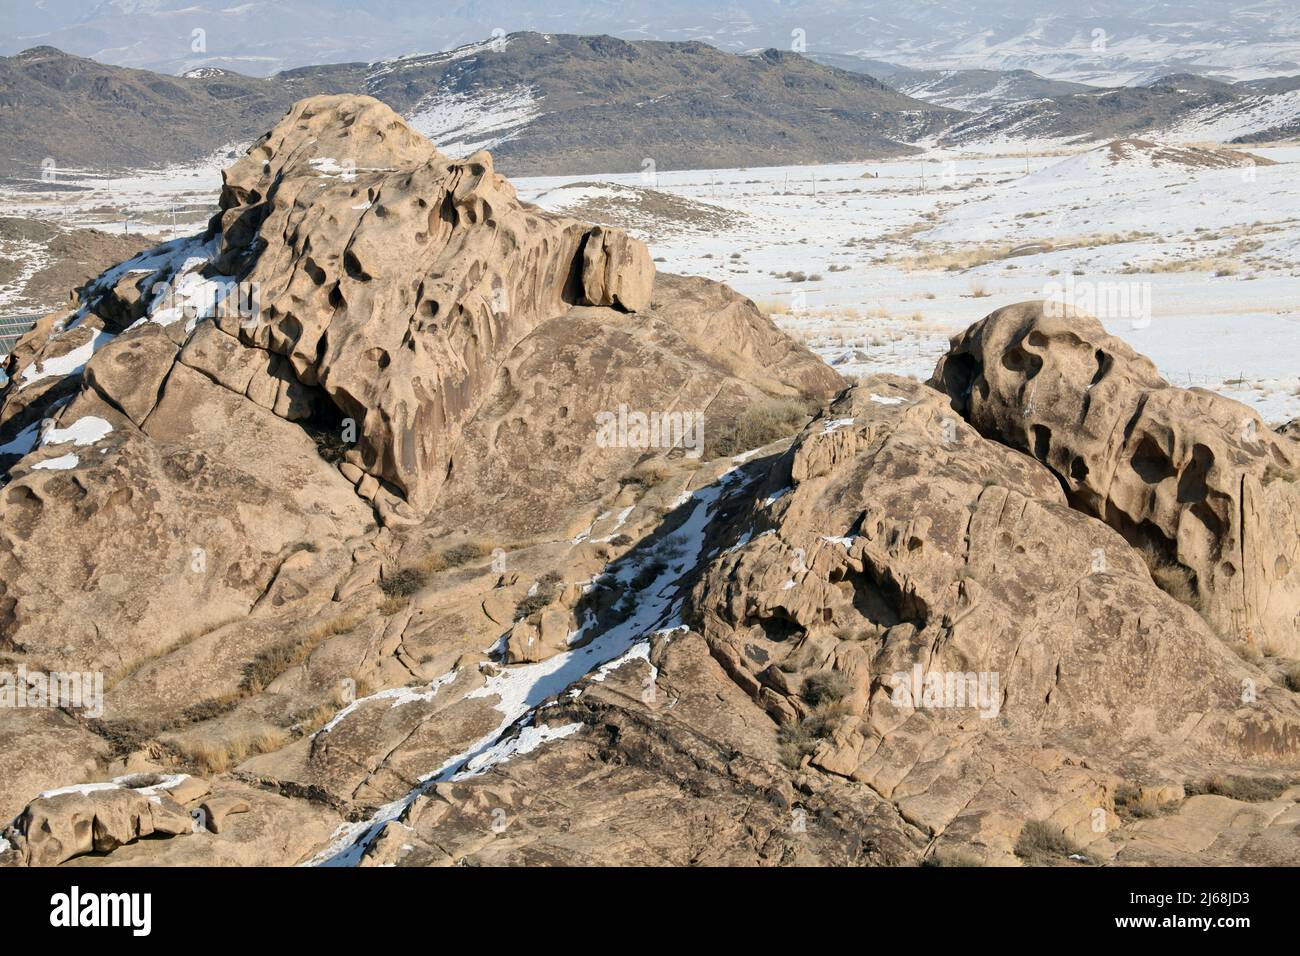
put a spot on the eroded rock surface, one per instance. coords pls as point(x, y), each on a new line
point(323, 494)
point(259, 479)
point(893, 547)
point(1192, 477)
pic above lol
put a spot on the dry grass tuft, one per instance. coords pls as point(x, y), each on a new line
point(1292, 678)
point(941, 858)
point(403, 583)
point(1176, 580)
point(757, 426)
point(1246, 789)
point(1132, 803)
point(278, 658)
point(212, 758)
point(547, 592)
point(648, 474)
point(456, 556)
point(1041, 844)
point(826, 687)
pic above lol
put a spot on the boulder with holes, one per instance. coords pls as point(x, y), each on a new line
point(1195, 480)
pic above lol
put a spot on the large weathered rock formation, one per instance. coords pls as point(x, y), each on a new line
point(893, 559)
point(1195, 479)
point(325, 497)
point(222, 457)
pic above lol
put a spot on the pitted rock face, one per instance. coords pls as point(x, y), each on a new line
point(397, 280)
point(1192, 477)
point(893, 544)
point(56, 828)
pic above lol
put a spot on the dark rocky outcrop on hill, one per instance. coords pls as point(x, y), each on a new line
point(605, 104)
point(969, 90)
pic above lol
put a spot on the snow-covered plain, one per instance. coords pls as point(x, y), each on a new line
point(897, 256)
point(876, 265)
point(158, 203)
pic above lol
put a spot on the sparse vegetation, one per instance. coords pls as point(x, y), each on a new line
point(1292, 678)
point(1246, 789)
point(315, 719)
point(465, 552)
point(826, 687)
point(1219, 265)
point(325, 428)
point(941, 858)
point(1133, 803)
point(1173, 578)
point(957, 260)
point(217, 757)
point(757, 426)
point(403, 583)
point(647, 474)
point(1249, 653)
point(797, 740)
point(1041, 844)
point(866, 631)
point(648, 574)
point(797, 659)
point(458, 555)
point(544, 593)
point(275, 660)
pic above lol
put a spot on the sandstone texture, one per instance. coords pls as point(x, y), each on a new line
point(893, 542)
point(1194, 479)
point(323, 496)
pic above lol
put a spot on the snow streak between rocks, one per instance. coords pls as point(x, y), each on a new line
point(522, 690)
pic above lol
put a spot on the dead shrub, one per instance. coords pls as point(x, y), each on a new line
point(1292, 678)
point(456, 556)
point(403, 583)
point(545, 593)
point(1245, 789)
point(951, 858)
point(758, 425)
point(1175, 579)
point(826, 687)
point(799, 739)
point(1041, 844)
point(217, 757)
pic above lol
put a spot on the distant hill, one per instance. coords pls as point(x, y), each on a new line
point(1180, 106)
point(970, 90)
point(83, 114)
point(568, 104)
point(544, 103)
